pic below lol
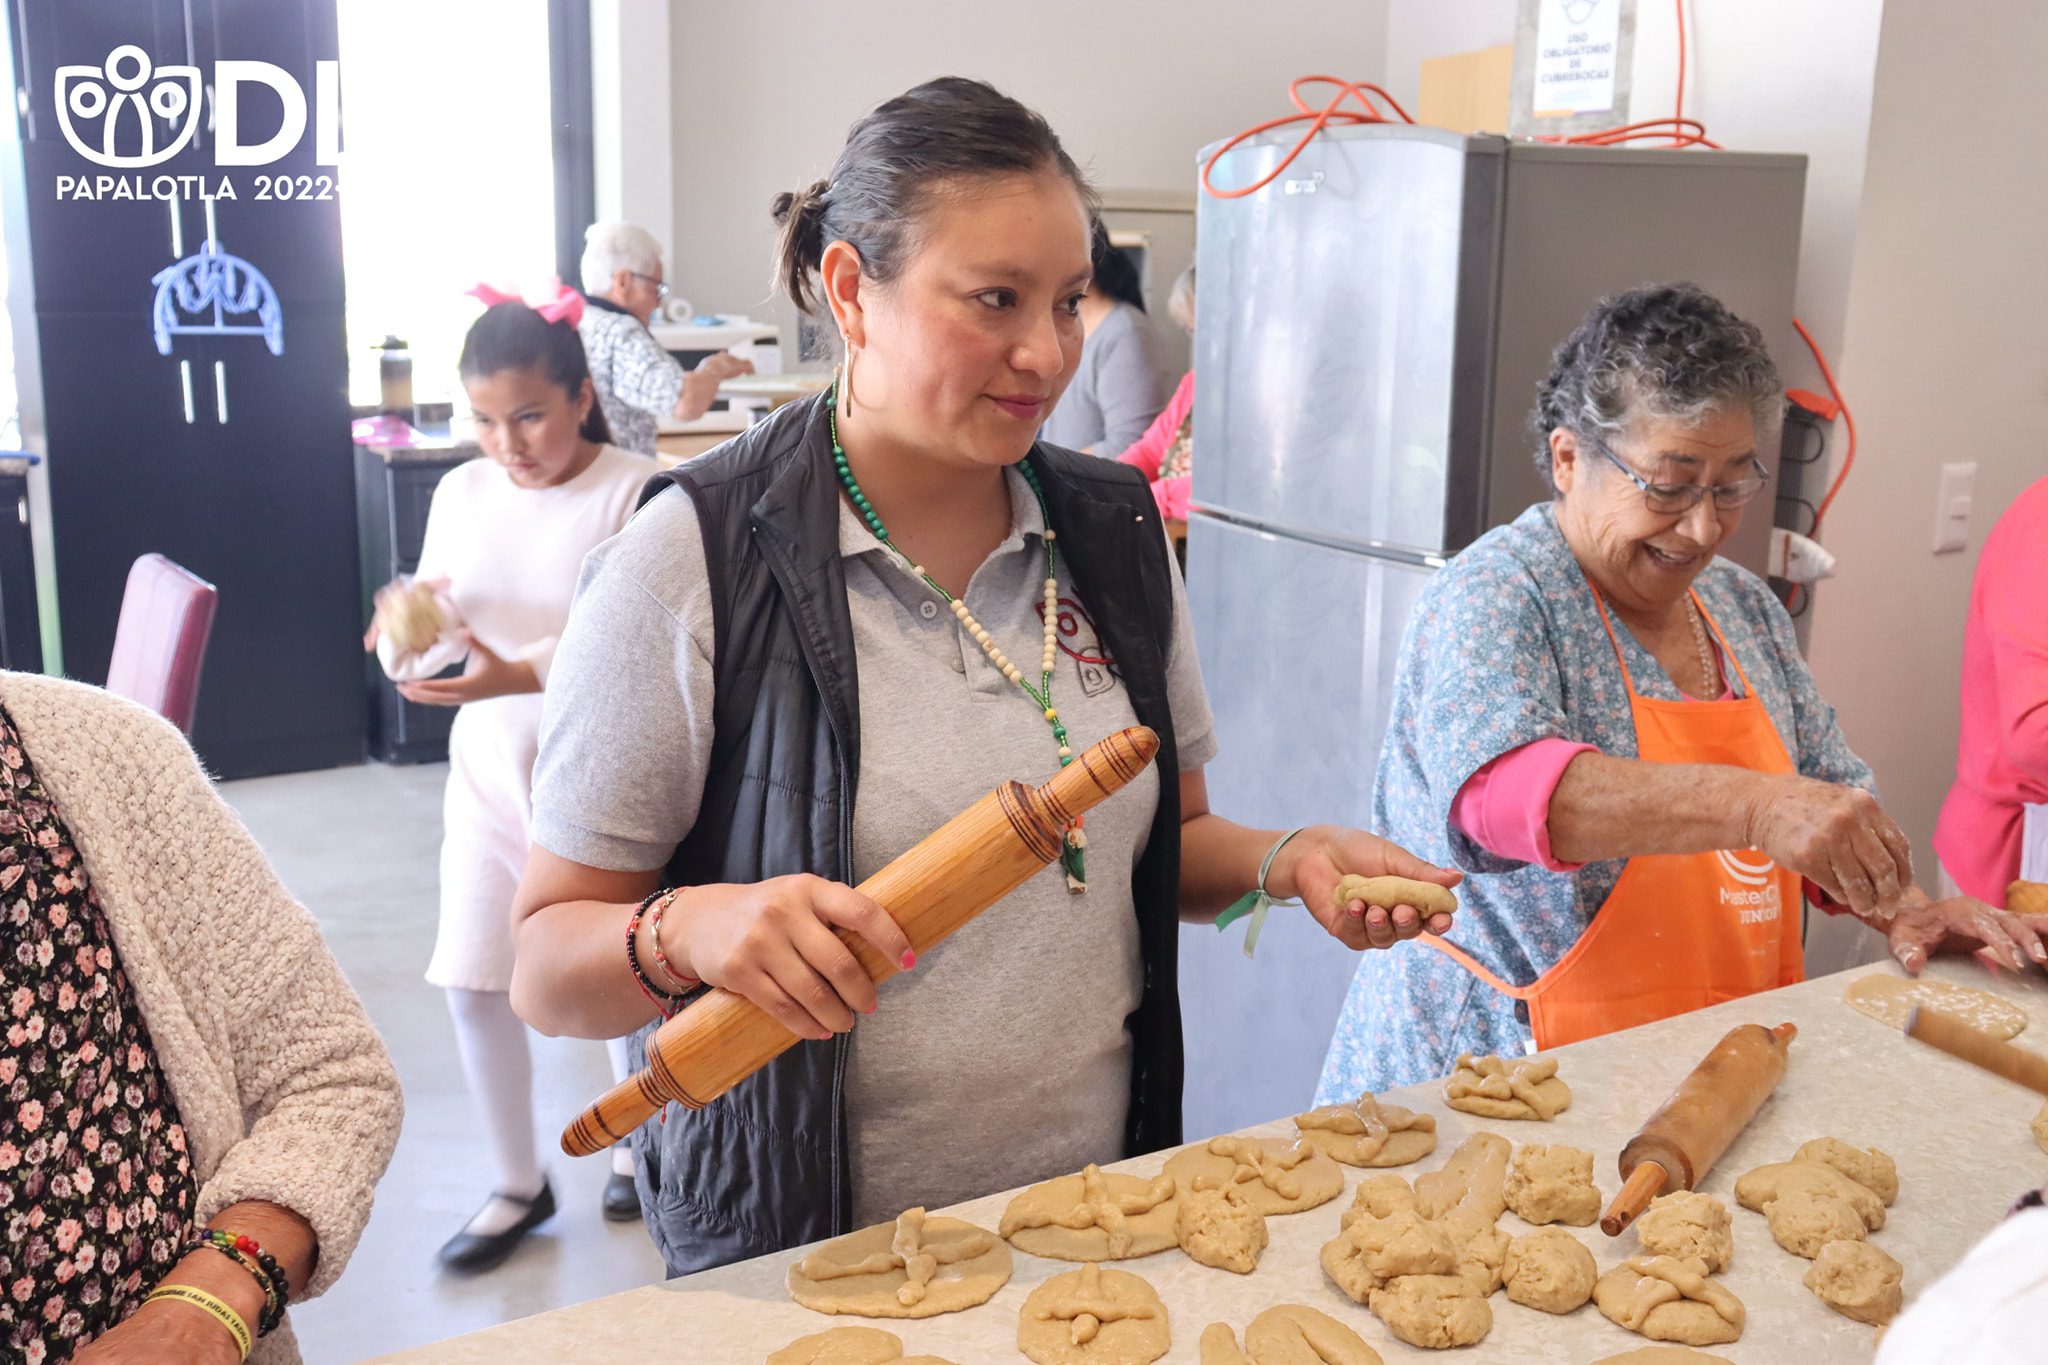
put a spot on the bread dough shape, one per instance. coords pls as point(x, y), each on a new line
point(849, 1346)
point(1277, 1175)
point(1388, 892)
point(1371, 1251)
point(411, 616)
point(2040, 1128)
point(1858, 1281)
point(1689, 1226)
point(1220, 1228)
point(1473, 1180)
point(1551, 1184)
point(1368, 1133)
point(1809, 1204)
point(916, 1267)
point(1093, 1216)
point(1664, 1355)
point(1868, 1167)
point(1497, 1089)
point(1435, 1312)
point(1889, 999)
point(1380, 1196)
point(1093, 1316)
point(1287, 1334)
point(1550, 1270)
point(1669, 1300)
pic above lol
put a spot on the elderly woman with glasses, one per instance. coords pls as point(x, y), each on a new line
point(638, 383)
point(1612, 733)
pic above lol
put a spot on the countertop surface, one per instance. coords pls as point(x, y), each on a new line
point(1959, 1135)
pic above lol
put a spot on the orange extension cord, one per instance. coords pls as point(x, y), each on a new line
point(1848, 421)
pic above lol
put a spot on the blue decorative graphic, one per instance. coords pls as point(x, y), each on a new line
point(216, 285)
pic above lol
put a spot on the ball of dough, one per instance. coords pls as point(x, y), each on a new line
point(1689, 1226)
point(1220, 1228)
point(1435, 1312)
point(408, 613)
point(1552, 1184)
point(1380, 1196)
point(1372, 1251)
point(1858, 1281)
point(849, 1346)
point(1550, 1269)
point(1668, 1300)
point(1093, 1316)
point(1870, 1168)
point(1809, 1204)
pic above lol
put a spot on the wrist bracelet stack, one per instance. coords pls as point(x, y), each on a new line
point(249, 1254)
point(209, 1305)
point(668, 999)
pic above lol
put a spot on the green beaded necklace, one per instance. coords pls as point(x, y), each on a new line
point(1071, 858)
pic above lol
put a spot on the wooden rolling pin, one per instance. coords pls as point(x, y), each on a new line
point(1928, 1024)
point(1686, 1136)
point(944, 880)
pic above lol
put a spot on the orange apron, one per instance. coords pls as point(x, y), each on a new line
point(1679, 931)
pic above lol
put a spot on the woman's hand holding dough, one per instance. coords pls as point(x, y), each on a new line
point(772, 942)
point(1836, 836)
point(1920, 927)
point(1317, 859)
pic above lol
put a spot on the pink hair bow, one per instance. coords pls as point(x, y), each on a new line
point(565, 306)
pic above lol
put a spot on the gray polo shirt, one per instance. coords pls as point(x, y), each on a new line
point(1002, 1059)
point(1117, 389)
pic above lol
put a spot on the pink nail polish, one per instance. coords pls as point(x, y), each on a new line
point(909, 958)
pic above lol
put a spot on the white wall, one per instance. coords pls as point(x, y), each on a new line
point(633, 131)
point(1944, 360)
point(1134, 89)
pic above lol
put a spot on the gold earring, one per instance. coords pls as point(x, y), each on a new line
point(851, 353)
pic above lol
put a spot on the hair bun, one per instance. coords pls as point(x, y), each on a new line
point(804, 204)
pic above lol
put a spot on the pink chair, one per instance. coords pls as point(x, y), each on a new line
point(160, 643)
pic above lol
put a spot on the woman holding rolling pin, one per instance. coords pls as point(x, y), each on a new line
point(791, 666)
point(1613, 731)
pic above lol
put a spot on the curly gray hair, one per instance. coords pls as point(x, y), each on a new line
point(1669, 350)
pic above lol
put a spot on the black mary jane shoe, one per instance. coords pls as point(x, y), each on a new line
point(473, 1253)
point(621, 1200)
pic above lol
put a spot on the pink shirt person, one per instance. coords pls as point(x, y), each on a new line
point(2002, 750)
point(1151, 452)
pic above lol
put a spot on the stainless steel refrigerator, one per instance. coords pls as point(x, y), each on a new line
point(1370, 331)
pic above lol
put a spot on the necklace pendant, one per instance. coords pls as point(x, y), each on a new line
point(1073, 861)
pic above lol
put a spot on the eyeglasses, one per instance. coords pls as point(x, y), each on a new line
point(660, 286)
point(1669, 498)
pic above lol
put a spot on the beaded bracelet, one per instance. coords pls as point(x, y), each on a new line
point(679, 984)
point(668, 1002)
point(249, 1254)
point(206, 1303)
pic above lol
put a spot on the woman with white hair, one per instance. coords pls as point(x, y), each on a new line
point(638, 383)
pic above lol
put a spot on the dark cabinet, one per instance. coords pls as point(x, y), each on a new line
point(393, 493)
point(21, 635)
point(217, 450)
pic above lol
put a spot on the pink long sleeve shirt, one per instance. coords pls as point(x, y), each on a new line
point(2002, 750)
point(1148, 452)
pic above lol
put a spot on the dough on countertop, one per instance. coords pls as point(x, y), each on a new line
point(1551, 1184)
point(1809, 1204)
point(1889, 999)
point(1287, 1334)
point(1497, 1089)
point(2040, 1128)
point(1093, 1316)
point(1277, 1175)
point(1368, 1133)
point(1689, 1226)
point(1220, 1228)
point(1093, 1216)
point(1664, 1355)
point(1858, 1281)
point(1372, 1251)
point(1435, 1312)
point(916, 1267)
point(1870, 1168)
point(1473, 1180)
point(849, 1346)
point(1380, 1196)
point(1550, 1270)
point(1669, 1300)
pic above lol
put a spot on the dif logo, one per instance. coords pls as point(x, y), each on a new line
point(100, 108)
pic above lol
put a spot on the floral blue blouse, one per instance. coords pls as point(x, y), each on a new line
point(1505, 648)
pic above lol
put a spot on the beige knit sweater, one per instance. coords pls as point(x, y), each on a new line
point(285, 1089)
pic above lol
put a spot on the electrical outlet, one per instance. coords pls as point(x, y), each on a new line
point(1952, 504)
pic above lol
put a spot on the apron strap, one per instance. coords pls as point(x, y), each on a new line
point(1474, 966)
point(1727, 650)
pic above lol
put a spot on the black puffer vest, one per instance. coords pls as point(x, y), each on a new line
point(765, 1167)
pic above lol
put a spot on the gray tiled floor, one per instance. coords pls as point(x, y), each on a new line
point(359, 847)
